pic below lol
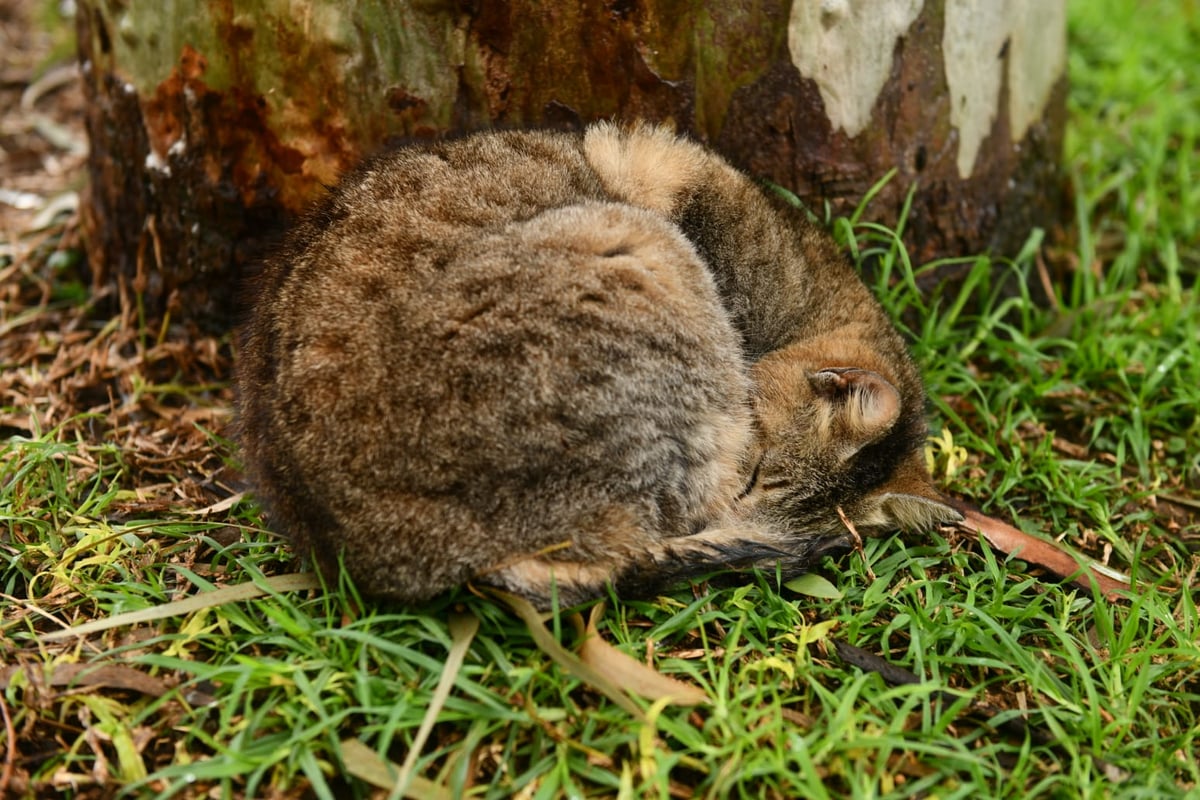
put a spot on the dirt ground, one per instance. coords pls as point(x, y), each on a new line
point(75, 362)
point(43, 152)
point(42, 141)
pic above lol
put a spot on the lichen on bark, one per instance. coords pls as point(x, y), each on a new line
point(215, 122)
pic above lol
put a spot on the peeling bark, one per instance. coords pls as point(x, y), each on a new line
point(212, 126)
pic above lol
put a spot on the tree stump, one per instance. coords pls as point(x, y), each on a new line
point(214, 123)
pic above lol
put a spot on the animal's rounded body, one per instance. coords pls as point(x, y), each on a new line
point(511, 358)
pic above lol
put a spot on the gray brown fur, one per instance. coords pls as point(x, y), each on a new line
point(548, 362)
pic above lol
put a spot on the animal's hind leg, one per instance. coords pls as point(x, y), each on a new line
point(737, 547)
point(546, 581)
point(659, 564)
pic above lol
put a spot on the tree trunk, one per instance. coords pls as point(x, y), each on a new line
point(211, 127)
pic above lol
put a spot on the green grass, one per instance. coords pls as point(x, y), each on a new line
point(1079, 420)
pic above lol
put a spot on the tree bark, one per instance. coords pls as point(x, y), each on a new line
point(212, 125)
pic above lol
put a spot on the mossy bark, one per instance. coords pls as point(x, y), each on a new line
point(213, 123)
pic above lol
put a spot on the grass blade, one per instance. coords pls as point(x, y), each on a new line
point(462, 631)
point(293, 582)
point(365, 764)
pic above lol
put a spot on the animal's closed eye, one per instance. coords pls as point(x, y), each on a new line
point(749, 487)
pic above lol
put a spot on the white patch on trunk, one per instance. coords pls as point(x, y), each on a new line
point(847, 47)
point(1037, 59)
point(973, 38)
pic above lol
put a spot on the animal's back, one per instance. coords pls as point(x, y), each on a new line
point(472, 357)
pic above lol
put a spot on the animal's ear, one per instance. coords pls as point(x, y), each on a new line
point(864, 405)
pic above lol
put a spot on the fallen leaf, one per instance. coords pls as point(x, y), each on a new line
point(572, 663)
point(635, 676)
point(108, 676)
point(365, 764)
point(798, 718)
point(217, 508)
point(814, 585)
point(1001, 719)
point(1050, 555)
point(600, 665)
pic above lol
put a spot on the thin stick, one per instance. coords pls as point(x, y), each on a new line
point(858, 542)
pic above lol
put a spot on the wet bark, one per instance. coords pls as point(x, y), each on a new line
point(211, 126)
